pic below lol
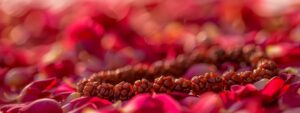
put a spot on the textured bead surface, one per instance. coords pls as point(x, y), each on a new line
point(142, 86)
point(105, 90)
point(231, 78)
point(247, 77)
point(214, 82)
point(163, 84)
point(199, 84)
point(80, 85)
point(182, 85)
point(90, 89)
point(123, 91)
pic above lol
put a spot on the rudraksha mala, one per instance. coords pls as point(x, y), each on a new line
point(164, 76)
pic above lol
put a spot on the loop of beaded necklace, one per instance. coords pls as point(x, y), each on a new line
point(164, 76)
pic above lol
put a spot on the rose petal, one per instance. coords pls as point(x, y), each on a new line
point(169, 104)
point(291, 98)
point(178, 95)
point(81, 102)
point(87, 34)
point(61, 96)
point(245, 91)
point(19, 77)
point(208, 103)
point(261, 83)
point(273, 88)
point(293, 110)
point(251, 105)
point(63, 88)
point(288, 77)
point(14, 109)
point(37, 89)
point(189, 101)
point(228, 98)
point(60, 68)
point(3, 72)
point(199, 69)
point(7, 107)
point(43, 106)
point(145, 103)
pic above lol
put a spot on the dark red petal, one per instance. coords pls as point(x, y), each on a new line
point(43, 106)
point(37, 89)
point(291, 98)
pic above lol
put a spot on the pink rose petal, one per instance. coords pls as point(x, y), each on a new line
point(42, 106)
point(169, 104)
point(145, 103)
point(292, 110)
point(208, 103)
point(199, 69)
point(189, 101)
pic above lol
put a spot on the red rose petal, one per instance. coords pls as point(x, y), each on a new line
point(251, 105)
point(244, 91)
point(228, 98)
point(60, 68)
point(208, 103)
point(37, 89)
point(273, 88)
point(86, 101)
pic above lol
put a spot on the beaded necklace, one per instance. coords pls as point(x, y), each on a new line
point(164, 76)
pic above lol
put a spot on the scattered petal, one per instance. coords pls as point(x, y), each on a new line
point(291, 98)
point(37, 89)
point(208, 103)
point(43, 105)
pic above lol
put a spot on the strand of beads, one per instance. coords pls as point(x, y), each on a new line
point(123, 83)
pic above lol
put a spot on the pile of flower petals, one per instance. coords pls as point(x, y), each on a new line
point(47, 47)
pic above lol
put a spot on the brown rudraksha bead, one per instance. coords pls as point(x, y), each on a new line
point(142, 86)
point(182, 85)
point(230, 78)
point(163, 84)
point(123, 91)
point(105, 90)
point(214, 82)
point(199, 84)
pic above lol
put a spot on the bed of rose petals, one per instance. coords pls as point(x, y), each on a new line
point(47, 46)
